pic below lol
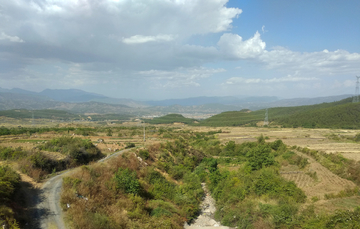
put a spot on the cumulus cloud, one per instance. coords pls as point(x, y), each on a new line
point(233, 46)
point(89, 31)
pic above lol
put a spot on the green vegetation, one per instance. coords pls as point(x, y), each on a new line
point(40, 114)
point(241, 194)
point(121, 131)
point(60, 115)
point(294, 159)
point(169, 119)
point(9, 182)
point(127, 193)
point(38, 165)
point(30, 131)
point(336, 163)
point(163, 189)
point(342, 114)
point(81, 151)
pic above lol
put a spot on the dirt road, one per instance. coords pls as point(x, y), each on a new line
point(48, 214)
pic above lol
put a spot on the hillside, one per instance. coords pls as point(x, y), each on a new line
point(60, 115)
point(170, 118)
point(341, 114)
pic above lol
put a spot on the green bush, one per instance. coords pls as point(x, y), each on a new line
point(9, 183)
point(129, 145)
point(144, 154)
point(260, 157)
point(127, 181)
point(294, 159)
point(157, 212)
point(7, 153)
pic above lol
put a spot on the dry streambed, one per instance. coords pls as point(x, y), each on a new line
point(206, 217)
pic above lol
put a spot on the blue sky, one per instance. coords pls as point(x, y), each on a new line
point(164, 49)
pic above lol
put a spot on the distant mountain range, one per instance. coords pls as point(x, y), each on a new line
point(78, 101)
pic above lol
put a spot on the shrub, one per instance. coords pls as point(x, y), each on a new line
point(126, 180)
point(260, 157)
point(157, 212)
point(129, 145)
point(144, 154)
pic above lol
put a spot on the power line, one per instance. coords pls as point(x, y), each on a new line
point(266, 121)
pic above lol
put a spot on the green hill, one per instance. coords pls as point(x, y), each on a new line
point(341, 114)
point(39, 114)
point(60, 115)
point(170, 118)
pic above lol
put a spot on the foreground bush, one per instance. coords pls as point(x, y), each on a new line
point(9, 182)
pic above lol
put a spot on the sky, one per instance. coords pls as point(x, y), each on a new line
point(167, 49)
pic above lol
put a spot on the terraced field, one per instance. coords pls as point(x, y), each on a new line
point(325, 182)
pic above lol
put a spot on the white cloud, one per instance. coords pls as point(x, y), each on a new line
point(289, 78)
point(89, 31)
point(139, 39)
point(4, 36)
point(263, 29)
point(323, 62)
point(233, 46)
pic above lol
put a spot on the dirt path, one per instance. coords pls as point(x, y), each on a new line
point(48, 212)
point(206, 217)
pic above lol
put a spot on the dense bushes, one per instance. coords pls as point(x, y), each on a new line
point(7, 153)
point(80, 151)
point(9, 182)
point(38, 164)
point(238, 192)
point(127, 193)
point(126, 180)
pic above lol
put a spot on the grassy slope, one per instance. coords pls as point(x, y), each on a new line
point(46, 114)
point(170, 118)
point(341, 114)
point(60, 115)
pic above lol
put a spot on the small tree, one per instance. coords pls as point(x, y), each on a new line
point(260, 157)
point(126, 180)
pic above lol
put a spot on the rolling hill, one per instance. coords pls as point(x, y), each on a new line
point(169, 119)
point(341, 114)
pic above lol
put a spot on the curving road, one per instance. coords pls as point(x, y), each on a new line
point(48, 213)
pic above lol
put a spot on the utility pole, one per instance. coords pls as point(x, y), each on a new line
point(356, 96)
